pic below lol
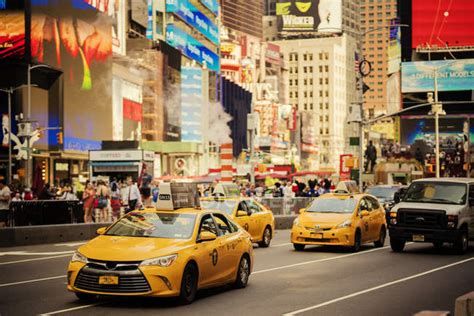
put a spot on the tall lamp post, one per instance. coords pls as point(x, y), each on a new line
point(28, 120)
point(10, 91)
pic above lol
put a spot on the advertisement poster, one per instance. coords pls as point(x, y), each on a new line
point(442, 23)
point(191, 104)
point(323, 16)
point(394, 48)
point(75, 37)
point(12, 30)
point(452, 75)
point(212, 5)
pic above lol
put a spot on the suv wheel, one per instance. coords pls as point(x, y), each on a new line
point(397, 244)
point(462, 243)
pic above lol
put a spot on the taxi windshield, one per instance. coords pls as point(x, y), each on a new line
point(333, 206)
point(387, 193)
point(157, 225)
point(436, 192)
point(225, 206)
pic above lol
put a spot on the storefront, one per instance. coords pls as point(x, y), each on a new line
point(120, 164)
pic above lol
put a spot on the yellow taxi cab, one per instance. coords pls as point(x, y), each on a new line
point(340, 219)
point(248, 213)
point(172, 250)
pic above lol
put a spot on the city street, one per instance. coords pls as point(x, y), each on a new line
point(318, 281)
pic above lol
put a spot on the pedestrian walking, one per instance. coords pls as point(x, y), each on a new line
point(115, 200)
point(103, 195)
point(131, 196)
point(88, 199)
point(370, 156)
point(5, 196)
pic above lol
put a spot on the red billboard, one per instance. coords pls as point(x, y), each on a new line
point(442, 23)
point(12, 30)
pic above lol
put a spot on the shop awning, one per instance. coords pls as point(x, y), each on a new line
point(113, 163)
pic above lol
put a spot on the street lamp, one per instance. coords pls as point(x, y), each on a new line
point(10, 91)
point(28, 113)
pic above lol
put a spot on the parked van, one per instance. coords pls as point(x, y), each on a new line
point(436, 210)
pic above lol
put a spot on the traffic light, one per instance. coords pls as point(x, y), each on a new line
point(60, 138)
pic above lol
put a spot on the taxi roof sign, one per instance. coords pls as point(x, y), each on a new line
point(226, 190)
point(173, 196)
point(347, 187)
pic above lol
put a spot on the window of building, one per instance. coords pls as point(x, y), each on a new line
point(311, 106)
point(327, 131)
point(305, 106)
point(326, 68)
point(326, 56)
point(291, 82)
point(326, 80)
point(371, 113)
point(320, 80)
point(327, 118)
point(321, 131)
point(320, 93)
point(310, 57)
point(305, 94)
point(305, 57)
point(327, 105)
point(305, 82)
point(320, 68)
point(320, 106)
point(310, 69)
point(296, 94)
point(320, 118)
point(327, 93)
point(311, 94)
point(270, 23)
point(291, 94)
point(305, 69)
point(320, 56)
point(296, 82)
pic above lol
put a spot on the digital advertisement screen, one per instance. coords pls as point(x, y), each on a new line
point(452, 75)
point(442, 23)
point(76, 38)
point(191, 104)
point(12, 30)
point(323, 16)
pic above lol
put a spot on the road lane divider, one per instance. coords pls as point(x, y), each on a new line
point(342, 298)
point(35, 259)
point(74, 308)
point(27, 253)
point(33, 281)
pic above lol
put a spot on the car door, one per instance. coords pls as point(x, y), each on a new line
point(208, 257)
point(257, 217)
point(364, 220)
point(375, 218)
point(228, 242)
point(243, 221)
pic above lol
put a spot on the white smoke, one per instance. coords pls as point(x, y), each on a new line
point(218, 131)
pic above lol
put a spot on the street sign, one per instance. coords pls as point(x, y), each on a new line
point(354, 141)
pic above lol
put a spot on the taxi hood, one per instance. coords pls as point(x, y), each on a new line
point(119, 248)
point(310, 218)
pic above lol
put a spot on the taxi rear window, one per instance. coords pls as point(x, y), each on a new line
point(156, 225)
point(225, 206)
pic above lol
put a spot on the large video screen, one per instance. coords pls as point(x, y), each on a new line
point(323, 16)
point(76, 37)
point(12, 30)
point(442, 23)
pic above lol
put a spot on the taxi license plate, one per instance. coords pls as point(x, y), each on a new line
point(317, 236)
point(418, 238)
point(109, 279)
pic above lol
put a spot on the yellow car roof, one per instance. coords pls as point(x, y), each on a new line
point(233, 198)
point(342, 196)
point(179, 211)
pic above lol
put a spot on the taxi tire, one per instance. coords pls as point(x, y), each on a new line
point(357, 241)
point(188, 291)
point(381, 241)
point(85, 297)
point(299, 247)
point(266, 238)
point(243, 277)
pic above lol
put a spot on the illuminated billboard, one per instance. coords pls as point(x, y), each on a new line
point(195, 18)
point(191, 104)
point(76, 38)
point(191, 47)
point(442, 23)
point(212, 5)
point(323, 16)
point(12, 30)
point(452, 75)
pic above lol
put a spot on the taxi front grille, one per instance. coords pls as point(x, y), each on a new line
point(130, 281)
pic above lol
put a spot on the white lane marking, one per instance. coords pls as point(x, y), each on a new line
point(27, 253)
point(74, 308)
point(319, 260)
point(378, 287)
point(71, 244)
point(281, 245)
point(33, 281)
point(35, 259)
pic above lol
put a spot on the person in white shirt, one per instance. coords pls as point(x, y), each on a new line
point(5, 196)
point(131, 196)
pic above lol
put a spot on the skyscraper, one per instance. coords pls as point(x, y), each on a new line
point(243, 16)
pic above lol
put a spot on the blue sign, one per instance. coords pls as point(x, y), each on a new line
point(149, 27)
point(191, 104)
point(452, 75)
point(3, 4)
point(195, 18)
point(191, 47)
point(212, 5)
point(79, 144)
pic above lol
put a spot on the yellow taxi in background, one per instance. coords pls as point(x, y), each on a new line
point(248, 213)
point(162, 253)
point(340, 219)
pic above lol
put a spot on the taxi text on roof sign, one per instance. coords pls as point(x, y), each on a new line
point(174, 196)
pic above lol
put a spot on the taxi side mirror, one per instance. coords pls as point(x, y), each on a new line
point(207, 236)
point(242, 213)
point(101, 230)
point(364, 213)
point(301, 211)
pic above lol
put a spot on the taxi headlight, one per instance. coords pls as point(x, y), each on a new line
point(296, 222)
point(78, 257)
point(165, 261)
point(344, 224)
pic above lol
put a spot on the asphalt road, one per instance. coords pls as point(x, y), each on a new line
point(318, 281)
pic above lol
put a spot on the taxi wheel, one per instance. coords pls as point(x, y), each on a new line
point(243, 273)
point(357, 242)
point(188, 285)
point(86, 296)
point(266, 238)
point(381, 241)
point(298, 247)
